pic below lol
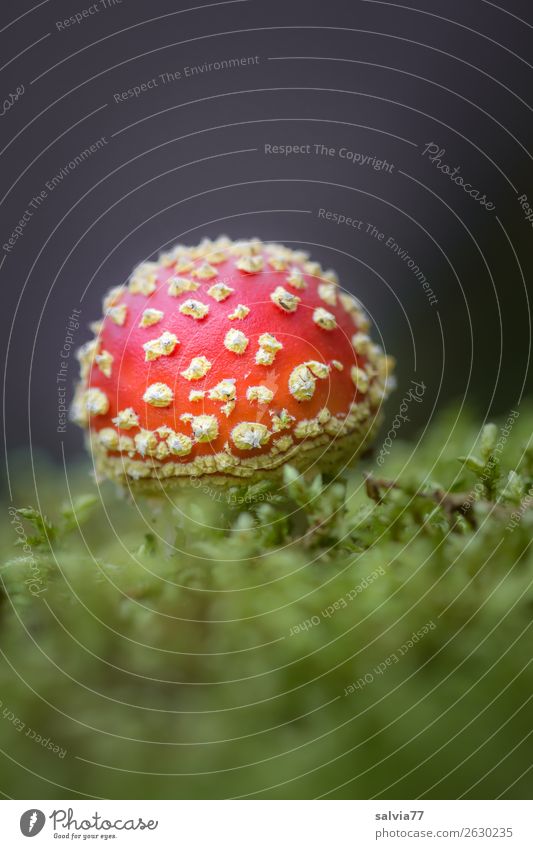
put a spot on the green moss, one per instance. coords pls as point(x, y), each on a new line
point(362, 637)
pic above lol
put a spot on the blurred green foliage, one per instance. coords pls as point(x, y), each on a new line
point(243, 642)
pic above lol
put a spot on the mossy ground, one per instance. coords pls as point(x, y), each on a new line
point(260, 643)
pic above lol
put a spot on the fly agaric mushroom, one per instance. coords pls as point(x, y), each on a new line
point(228, 360)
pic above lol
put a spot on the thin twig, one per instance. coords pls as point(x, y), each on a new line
point(451, 502)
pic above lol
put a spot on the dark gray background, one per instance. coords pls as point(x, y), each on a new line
point(454, 73)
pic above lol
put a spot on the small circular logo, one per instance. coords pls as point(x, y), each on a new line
point(32, 822)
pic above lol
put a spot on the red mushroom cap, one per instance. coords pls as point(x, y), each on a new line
point(228, 360)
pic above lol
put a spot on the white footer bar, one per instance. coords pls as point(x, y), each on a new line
point(268, 824)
